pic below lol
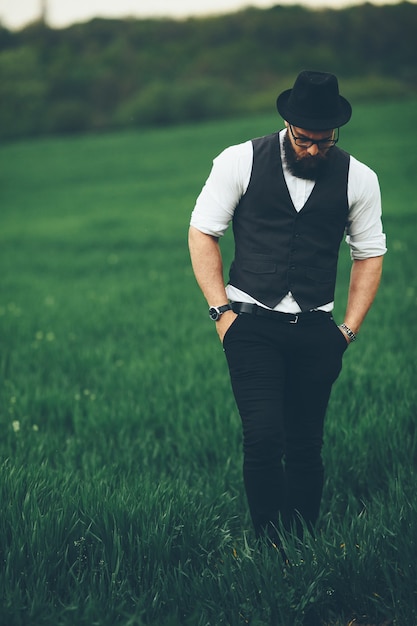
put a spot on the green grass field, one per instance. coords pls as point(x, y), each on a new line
point(121, 493)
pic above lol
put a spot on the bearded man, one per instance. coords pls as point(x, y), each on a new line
point(292, 196)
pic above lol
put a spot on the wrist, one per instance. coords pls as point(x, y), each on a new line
point(348, 332)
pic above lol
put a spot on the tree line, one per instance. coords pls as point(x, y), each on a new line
point(107, 74)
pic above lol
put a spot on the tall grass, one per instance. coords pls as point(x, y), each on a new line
point(121, 490)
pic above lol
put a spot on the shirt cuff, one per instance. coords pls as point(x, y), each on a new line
point(360, 250)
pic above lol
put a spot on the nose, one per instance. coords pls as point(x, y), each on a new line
point(313, 150)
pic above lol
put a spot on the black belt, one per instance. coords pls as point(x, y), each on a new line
point(289, 318)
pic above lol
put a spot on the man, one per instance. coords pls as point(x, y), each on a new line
point(291, 196)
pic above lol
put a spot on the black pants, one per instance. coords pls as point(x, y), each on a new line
point(282, 374)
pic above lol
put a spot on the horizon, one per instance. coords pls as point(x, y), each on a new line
point(16, 15)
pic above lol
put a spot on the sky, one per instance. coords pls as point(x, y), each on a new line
point(15, 14)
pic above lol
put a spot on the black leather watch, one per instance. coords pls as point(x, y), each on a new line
point(216, 312)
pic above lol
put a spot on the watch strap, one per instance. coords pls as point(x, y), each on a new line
point(224, 308)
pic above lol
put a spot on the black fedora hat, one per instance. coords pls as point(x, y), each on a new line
point(314, 102)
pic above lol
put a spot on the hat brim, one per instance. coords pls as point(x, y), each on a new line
point(343, 115)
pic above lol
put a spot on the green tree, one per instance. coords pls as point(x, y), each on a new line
point(22, 93)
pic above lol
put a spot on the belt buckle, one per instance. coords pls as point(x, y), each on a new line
point(294, 321)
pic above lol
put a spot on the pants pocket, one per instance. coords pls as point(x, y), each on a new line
point(232, 328)
point(339, 336)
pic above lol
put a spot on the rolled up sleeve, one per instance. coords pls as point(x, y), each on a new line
point(364, 233)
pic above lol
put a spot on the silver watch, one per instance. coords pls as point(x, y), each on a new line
point(216, 312)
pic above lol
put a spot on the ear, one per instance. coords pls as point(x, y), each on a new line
point(286, 123)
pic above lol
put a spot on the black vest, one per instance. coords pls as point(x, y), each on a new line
point(278, 249)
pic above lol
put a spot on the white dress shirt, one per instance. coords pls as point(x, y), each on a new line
point(229, 179)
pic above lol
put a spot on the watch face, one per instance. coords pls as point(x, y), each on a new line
point(214, 314)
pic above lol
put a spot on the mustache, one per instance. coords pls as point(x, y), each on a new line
point(315, 157)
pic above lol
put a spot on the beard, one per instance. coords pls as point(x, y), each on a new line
point(307, 167)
